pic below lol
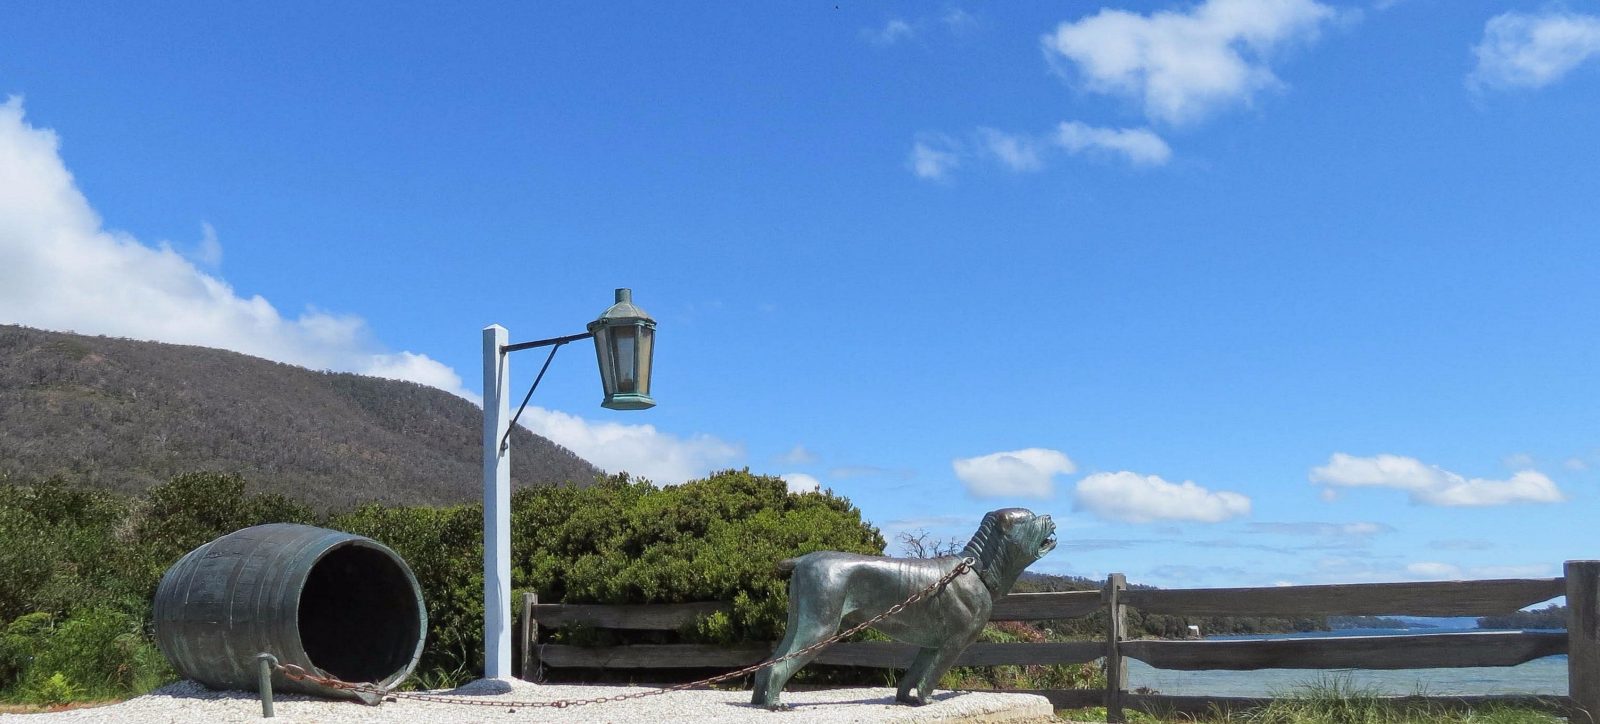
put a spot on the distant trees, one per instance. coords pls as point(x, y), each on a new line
point(1553, 616)
point(125, 415)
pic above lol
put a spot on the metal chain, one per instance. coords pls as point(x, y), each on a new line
point(297, 673)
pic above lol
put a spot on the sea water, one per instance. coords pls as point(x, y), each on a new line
point(1546, 676)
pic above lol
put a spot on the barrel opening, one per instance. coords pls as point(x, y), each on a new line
point(359, 616)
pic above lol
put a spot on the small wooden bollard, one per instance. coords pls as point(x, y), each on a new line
point(530, 637)
point(266, 662)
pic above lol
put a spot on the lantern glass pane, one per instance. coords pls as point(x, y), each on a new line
point(647, 337)
point(602, 349)
point(624, 354)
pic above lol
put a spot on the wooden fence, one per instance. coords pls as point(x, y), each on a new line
point(1581, 641)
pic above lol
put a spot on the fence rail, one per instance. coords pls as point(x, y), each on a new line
point(1581, 641)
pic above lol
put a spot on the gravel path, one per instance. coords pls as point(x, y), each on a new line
point(189, 702)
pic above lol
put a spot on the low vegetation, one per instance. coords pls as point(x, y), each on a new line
point(75, 613)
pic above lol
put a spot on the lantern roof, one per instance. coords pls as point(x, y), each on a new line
point(624, 309)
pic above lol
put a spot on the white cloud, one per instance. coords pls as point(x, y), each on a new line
point(960, 22)
point(1134, 498)
point(209, 252)
point(1524, 50)
point(934, 156)
point(801, 483)
point(61, 269)
point(1017, 152)
point(1140, 146)
point(798, 455)
point(1432, 569)
point(1448, 571)
point(1517, 461)
point(1184, 65)
point(893, 31)
point(1575, 464)
point(1360, 529)
point(1432, 485)
point(1025, 473)
point(641, 450)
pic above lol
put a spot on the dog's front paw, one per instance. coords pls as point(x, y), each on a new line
point(911, 699)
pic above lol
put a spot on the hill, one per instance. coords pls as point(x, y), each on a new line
point(124, 415)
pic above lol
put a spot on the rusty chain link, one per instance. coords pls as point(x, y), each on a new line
point(298, 673)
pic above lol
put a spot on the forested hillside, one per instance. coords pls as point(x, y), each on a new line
point(125, 415)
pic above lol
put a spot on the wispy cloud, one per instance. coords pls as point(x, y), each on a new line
point(1432, 485)
point(845, 472)
point(1134, 498)
point(1533, 50)
point(798, 455)
point(1139, 146)
point(1028, 473)
point(1321, 530)
point(933, 156)
point(892, 31)
point(1182, 66)
point(954, 21)
point(1435, 570)
point(1017, 152)
point(936, 157)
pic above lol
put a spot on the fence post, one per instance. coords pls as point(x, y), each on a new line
point(1583, 640)
point(530, 637)
point(1116, 632)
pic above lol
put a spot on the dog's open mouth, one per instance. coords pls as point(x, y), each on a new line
point(1049, 543)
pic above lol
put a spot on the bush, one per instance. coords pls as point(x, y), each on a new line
point(716, 539)
point(97, 652)
point(71, 554)
point(53, 690)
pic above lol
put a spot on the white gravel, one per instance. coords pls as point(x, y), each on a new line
point(190, 702)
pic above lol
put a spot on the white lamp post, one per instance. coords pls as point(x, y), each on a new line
point(624, 342)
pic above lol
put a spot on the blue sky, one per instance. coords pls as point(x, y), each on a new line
point(1243, 292)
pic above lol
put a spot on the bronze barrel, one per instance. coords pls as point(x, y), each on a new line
point(333, 603)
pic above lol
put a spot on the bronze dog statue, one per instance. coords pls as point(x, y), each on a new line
point(829, 588)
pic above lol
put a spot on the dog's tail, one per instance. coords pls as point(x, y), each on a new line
point(786, 566)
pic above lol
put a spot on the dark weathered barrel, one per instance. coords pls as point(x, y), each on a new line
point(333, 603)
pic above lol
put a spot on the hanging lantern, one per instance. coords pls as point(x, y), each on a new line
point(624, 338)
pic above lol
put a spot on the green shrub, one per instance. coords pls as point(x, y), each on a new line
point(716, 539)
point(102, 651)
point(53, 690)
point(20, 642)
point(71, 552)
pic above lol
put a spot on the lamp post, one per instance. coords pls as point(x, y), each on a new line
point(624, 338)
